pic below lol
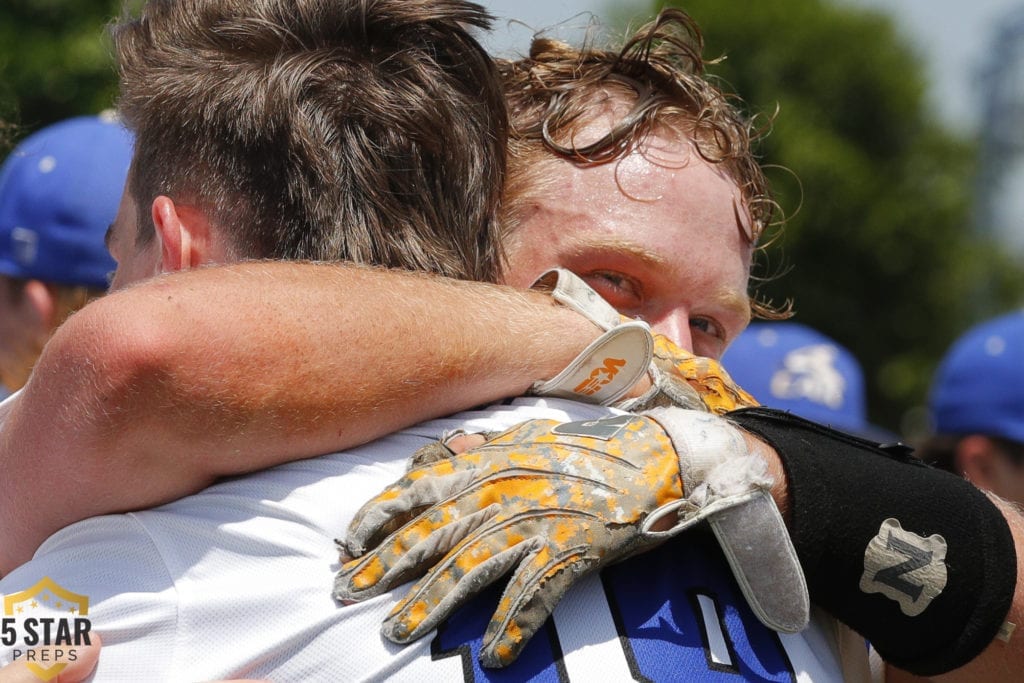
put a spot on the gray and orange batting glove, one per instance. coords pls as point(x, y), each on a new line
point(552, 502)
point(681, 379)
point(610, 366)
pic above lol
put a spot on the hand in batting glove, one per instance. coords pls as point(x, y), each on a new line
point(682, 379)
point(610, 367)
point(678, 378)
point(552, 502)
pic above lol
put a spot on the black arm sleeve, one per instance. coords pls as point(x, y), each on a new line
point(870, 524)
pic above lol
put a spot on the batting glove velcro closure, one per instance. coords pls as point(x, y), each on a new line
point(606, 369)
point(609, 367)
point(729, 487)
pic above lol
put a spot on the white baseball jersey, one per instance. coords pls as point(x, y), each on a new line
point(235, 582)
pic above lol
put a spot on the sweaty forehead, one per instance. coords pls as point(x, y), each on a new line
point(652, 168)
point(665, 162)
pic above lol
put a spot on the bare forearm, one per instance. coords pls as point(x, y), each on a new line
point(266, 358)
point(153, 392)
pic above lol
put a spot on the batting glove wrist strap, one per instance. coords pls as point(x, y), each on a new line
point(605, 370)
point(730, 489)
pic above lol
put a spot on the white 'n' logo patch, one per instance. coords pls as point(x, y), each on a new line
point(905, 567)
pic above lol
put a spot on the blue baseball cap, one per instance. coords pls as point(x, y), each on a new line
point(59, 191)
point(979, 386)
point(792, 367)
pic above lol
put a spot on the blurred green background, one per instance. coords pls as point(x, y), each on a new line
point(878, 248)
point(54, 60)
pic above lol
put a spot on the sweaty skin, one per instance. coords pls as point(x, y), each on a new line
point(661, 235)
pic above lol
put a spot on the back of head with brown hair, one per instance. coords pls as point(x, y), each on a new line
point(655, 83)
point(364, 130)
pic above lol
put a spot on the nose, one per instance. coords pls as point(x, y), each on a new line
point(676, 326)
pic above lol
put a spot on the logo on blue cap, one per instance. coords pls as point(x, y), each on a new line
point(25, 245)
point(810, 372)
point(792, 367)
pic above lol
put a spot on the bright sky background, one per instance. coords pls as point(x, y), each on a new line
point(511, 37)
point(953, 37)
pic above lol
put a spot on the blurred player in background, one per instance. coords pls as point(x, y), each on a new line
point(977, 408)
point(59, 191)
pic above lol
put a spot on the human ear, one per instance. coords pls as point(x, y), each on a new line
point(182, 232)
point(980, 462)
point(40, 306)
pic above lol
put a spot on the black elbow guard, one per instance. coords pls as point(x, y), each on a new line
point(917, 560)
